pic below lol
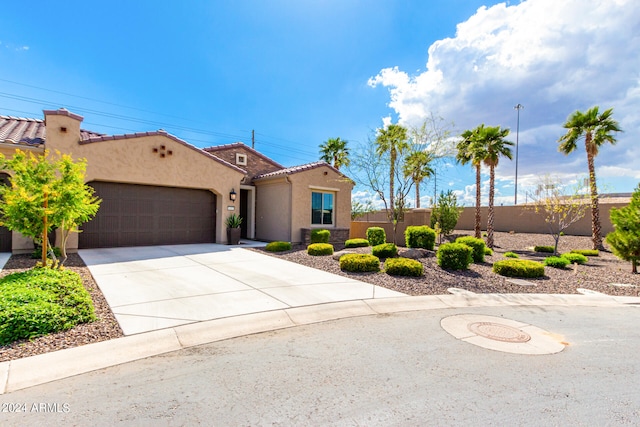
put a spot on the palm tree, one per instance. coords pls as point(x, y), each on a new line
point(392, 140)
point(417, 165)
point(470, 152)
point(494, 146)
point(335, 152)
point(596, 129)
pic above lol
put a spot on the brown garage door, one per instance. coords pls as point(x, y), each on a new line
point(144, 215)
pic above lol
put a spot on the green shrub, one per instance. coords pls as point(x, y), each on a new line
point(278, 246)
point(319, 249)
point(356, 243)
point(488, 251)
point(385, 250)
point(476, 244)
point(376, 236)
point(556, 262)
point(403, 267)
point(546, 249)
point(518, 268)
point(511, 255)
point(586, 252)
point(320, 236)
point(359, 263)
point(420, 237)
point(455, 256)
point(42, 301)
point(37, 252)
point(575, 258)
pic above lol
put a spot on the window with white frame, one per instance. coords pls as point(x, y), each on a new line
point(322, 208)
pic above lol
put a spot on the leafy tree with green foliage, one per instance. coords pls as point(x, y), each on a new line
point(46, 194)
point(335, 152)
point(596, 129)
point(358, 209)
point(446, 213)
point(625, 239)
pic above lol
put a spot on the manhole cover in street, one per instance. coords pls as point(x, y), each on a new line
point(498, 332)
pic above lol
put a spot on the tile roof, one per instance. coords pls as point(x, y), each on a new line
point(32, 133)
point(28, 132)
point(296, 169)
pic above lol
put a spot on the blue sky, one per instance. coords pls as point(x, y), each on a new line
point(300, 72)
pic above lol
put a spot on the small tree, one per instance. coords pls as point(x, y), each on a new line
point(45, 195)
point(559, 210)
point(625, 239)
point(446, 213)
point(358, 210)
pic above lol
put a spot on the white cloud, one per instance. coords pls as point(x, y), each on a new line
point(554, 57)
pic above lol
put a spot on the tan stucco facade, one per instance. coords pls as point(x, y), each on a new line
point(275, 200)
point(284, 202)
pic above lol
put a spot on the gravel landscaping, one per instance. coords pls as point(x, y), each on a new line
point(598, 274)
point(105, 328)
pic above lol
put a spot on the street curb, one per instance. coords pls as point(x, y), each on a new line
point(35, 370)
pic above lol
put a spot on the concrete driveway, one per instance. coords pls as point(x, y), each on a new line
point(157, 287)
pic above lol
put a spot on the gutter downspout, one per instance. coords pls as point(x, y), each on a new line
point(290, 210)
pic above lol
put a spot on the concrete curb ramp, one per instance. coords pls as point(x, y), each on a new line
point(30, 371)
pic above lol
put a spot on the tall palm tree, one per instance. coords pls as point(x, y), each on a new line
point(335, 152)
point(494, 146)
point(417, 165)
point(392, 140)
point(470, 152)
point(596, 129)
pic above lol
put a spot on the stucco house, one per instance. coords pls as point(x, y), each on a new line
point(157, 189)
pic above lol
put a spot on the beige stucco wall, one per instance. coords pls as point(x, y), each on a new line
point(283, 203)
point(133, 160)
point(378, 219)
point(523, 220)
point(319, 179)
point(273, 209)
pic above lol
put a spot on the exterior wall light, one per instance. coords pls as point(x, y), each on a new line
point(232, 195)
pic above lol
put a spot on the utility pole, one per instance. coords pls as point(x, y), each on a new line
point(253, 139)
point(517, 107)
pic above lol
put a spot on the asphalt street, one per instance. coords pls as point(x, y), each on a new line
point(399, 369)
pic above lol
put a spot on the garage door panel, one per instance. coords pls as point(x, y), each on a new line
point(141, 215)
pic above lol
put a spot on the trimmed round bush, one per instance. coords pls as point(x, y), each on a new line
point(556, 262)
point(477, 245)
point(454, 256)
point(586, 252)
point(518, 268)
point(385, 250)
point(41, 301)
point(575, 258)
point(359, 263)
point(511, 255)
point(376, 236)
point(488, 251)
point(319, 249)
point(420, 236)
point(356, 243)
point(545, 249)
point(278, 246)
point(403, 267)
point(320, 236)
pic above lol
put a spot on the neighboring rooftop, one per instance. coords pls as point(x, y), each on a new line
point(29, 132)
point(296, 169)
